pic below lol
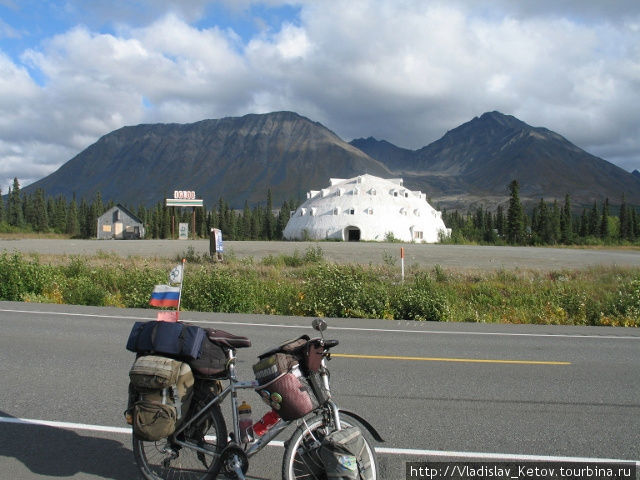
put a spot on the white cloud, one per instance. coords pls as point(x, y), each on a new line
point(405, 71)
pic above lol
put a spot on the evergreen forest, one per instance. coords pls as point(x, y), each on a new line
point(545, 223)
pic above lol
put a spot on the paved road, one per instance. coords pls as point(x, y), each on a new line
point(448, 256)
point(469, 392)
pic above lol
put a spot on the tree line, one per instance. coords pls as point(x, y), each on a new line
point(548, 223)
point(37, 212)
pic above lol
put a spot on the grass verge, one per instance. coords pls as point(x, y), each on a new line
point(305, 284)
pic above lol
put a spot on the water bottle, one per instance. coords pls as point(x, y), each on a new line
point(263, 425)
point(245, 422)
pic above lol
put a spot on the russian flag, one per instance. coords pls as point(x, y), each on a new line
point(165, 296)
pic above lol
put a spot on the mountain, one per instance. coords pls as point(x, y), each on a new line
point(241, 158)
point(236, 158)
point(477, 160)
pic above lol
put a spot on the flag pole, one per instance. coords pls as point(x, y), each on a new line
point(184, 260)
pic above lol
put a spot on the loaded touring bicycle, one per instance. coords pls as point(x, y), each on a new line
point(175, 407)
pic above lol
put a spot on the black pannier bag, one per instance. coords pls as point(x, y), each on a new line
point(174, 339)
point(212, 361)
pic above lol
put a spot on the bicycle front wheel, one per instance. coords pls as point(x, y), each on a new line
point(168, 460)
point(301, 457)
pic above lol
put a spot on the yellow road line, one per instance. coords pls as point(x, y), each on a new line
point(437, 359)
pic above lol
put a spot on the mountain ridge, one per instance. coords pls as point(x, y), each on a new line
point(241, 158)
point(488, 152)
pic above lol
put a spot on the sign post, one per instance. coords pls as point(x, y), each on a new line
point(186, 198)
point(216, 247)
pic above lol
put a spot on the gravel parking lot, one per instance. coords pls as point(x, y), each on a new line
point(447, 256)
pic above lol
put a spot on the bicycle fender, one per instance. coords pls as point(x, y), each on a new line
point(374, 433)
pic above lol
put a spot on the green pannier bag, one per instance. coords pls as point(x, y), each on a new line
point(163, 389)
point(345, 456)
point(153, 420)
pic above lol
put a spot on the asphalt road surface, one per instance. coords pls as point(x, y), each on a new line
point(434, 391)
point(447, 256)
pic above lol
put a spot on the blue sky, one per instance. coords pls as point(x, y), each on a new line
point(401, 70)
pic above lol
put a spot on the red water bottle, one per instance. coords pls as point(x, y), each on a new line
point(263, 425)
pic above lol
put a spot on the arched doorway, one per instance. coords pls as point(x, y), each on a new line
point(352, 234)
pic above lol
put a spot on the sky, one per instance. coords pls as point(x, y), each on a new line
point(405, 71)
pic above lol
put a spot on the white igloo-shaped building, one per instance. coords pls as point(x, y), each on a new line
point(366, 208)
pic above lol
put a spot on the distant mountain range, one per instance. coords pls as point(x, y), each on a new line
point(477, 160)
point(240, 158)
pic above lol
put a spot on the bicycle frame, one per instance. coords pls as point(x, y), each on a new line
point(233, 387)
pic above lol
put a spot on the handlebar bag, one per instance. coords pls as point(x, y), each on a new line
point(175, 339)
point(344, 455)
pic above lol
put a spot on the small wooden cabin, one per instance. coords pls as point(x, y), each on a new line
point(120, 224)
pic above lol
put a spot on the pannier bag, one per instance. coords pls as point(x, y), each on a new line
point(163, 390)
point(281, 386)
point(175, 339)
point(212, 361)
point(344, 455)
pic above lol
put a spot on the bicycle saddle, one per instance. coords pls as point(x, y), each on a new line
point(227, 339)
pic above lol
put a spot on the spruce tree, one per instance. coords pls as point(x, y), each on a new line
point(584, 224)
point(60, 219)
point(624, 233)
point(73, 227)
point(515, 216)
point(566, 223)
point(281, 221)
point(500, 222)
point(604, 224)
point(1, 207)
point(594, 223)
point(16, 214)
point(554, 225)
point(244, 231)
point(268, 223)
point(41, 218)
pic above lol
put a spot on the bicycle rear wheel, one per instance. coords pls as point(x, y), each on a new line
point(167, 460)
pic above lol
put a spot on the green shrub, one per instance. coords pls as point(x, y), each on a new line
point(420, 300)
point(20, 277)
point(342, 291)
